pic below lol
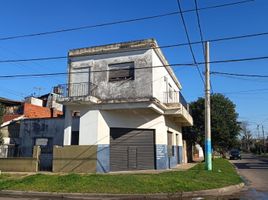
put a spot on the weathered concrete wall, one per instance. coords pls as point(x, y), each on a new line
point(81, 159)
point(29, 164)
point(42, 128)
point(18, 165)
point(140, 87)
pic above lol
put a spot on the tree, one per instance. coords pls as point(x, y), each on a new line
point(246, 136)
point(224, 125)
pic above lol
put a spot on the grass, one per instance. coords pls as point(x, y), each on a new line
point(196, 178)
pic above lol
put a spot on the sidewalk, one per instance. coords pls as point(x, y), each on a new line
point(181, 167)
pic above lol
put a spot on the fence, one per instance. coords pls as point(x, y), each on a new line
point(76, 89)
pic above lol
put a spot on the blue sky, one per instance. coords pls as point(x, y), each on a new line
point(22, 17)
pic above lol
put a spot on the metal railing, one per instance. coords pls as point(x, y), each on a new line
point(172, 97)
point(76, 89)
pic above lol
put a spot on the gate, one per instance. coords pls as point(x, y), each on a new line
point(46, 153)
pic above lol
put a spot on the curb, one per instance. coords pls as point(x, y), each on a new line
point(201, 193)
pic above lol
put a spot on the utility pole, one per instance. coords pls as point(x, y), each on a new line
point(264, 145)
point(208, 152)
point(258, 138)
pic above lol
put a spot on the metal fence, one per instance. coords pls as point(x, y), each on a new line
point(76, 89)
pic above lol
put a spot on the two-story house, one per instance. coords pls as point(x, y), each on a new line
point(130, 106)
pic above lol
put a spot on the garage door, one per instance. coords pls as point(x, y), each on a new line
point(132, 149)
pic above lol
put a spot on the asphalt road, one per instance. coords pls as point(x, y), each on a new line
point(253, 169)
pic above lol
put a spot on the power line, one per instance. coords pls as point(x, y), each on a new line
point(240, 75)
point(141, 49)
point(117, 22)
point(95, 71)
point(201, 36)
point(22, 65)
point(199, 27)
point(189, 41)
point(138, 68)
point(246, 91)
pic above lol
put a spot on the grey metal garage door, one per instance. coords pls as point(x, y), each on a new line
point(132, 149)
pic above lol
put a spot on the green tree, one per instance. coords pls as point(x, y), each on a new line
point(224, 125)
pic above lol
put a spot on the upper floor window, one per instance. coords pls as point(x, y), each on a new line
point(121, 71)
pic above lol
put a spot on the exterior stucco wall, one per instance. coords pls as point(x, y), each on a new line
point(98, 133)
point(161, 79)
point(140, 87)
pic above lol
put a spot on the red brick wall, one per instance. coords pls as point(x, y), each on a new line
point(33, 111)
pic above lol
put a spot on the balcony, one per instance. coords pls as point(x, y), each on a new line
point(177, 106)
point(76, 92)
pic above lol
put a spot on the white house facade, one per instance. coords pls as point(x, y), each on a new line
point(130, 106)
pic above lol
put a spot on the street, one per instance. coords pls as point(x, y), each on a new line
point(254, 170)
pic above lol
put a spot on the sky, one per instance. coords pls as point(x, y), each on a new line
point(30, 16)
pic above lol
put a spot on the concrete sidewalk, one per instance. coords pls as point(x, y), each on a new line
point(181, 167)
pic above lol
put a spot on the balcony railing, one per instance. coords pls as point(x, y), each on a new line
point(173, 97)
point(76, 89)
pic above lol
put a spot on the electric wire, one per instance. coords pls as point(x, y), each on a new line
point(140, 49)
point(201, 37)
point(189, 41)
point(239, 75)
point(117, 22)
point(139, 68)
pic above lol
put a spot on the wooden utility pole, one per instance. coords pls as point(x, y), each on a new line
point(208, 151)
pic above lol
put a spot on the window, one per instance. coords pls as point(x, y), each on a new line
point(121, 71)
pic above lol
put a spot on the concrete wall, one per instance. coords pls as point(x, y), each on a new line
point(18, 165)
point(81, 159)
point(42, 128)
point(140, 87)
point(29, 164)
point(34, 101)
point(161, 79)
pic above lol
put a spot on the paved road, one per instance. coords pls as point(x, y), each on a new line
point(255, 172)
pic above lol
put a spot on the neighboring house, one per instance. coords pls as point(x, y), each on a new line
point(46, 133)
point(15, 113)
point(130, 106)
